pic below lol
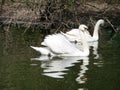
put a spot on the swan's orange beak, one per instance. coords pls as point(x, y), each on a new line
point(86, 30)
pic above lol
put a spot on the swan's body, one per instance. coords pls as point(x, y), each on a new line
point(74, 35)
point(59, 45)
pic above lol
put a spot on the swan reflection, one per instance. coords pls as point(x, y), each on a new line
point(95, 49)
point(97, 56)
point(81, 75)
point(57, 67)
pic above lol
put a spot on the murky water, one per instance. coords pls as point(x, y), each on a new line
point(22, 68)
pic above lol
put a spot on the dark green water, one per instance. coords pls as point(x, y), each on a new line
point(21, 68)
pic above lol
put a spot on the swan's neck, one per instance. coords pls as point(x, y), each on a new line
point(96, 28)
point(85, 44)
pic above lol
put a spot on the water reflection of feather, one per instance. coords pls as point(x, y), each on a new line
point(81, 75)
point(97, 56)
point(95, 49)
point(57, 67)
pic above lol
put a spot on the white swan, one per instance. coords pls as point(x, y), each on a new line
point(59, 45)
point(73, 35)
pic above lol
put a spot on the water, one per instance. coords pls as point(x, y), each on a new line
point(22, 68)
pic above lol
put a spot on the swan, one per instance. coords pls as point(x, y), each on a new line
point(59, 45)
point(73, 35)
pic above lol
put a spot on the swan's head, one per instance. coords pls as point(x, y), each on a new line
point(83, 27)
point(101, 22)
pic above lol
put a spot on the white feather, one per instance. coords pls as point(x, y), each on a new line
point(74, 35)
point(42, 50)
point(59, 45)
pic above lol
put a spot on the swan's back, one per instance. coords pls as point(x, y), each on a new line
point(72, 35)
point(59, 44)
point(73, 32)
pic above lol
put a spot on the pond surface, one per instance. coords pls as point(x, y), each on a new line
point(22, 68)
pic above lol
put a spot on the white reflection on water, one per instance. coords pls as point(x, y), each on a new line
point(83, 68)
point(98, 58)
point(56, 67)
point(95, 49)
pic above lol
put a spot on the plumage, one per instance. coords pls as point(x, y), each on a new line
point(73, 35)
point(59, 45)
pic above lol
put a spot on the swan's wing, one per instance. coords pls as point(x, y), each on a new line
point(62, 33)
point(59, 44)
point(43, 43)
point(42, 50)
point(73, 32)
point(72, 35)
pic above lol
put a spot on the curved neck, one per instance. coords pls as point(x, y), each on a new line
point(96, 28)
point(85, 44)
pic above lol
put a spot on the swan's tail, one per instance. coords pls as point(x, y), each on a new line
point(42, 50)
